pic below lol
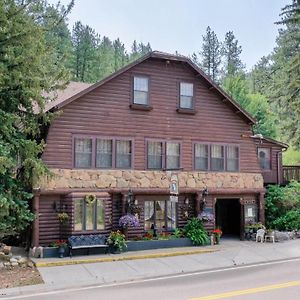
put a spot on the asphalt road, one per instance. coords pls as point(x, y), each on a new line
point(274, 281)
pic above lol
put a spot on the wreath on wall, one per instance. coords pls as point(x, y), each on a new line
point(90, 199)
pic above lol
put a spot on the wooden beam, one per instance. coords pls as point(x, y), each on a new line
point(153, 191)
point(36, 228)
point(211, 88)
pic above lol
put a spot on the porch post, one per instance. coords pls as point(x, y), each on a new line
point(198, 200)
point(36, 229)
point(123, 199)
point(262, 207)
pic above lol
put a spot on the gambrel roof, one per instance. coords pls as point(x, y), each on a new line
point(60, 102)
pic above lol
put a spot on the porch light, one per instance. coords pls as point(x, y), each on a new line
point(130, 196)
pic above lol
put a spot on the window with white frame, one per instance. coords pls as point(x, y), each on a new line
point(186, 95)
point(141, 90)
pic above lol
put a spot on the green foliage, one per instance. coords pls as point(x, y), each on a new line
point(211, 54)
point(29, 67)
point(281, 203)
point(291, 157)
point(178, 233)
point(238, 87)
point(289, 221)
point(195, 231)
point(231, 51)
point(117, 239)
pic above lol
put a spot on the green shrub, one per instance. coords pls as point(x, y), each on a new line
point(289, 221)
point(280, 201)
point(195, 231)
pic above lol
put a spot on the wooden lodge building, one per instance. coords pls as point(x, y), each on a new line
point(157, 124)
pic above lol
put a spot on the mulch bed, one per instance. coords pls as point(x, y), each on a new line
point(19, 276)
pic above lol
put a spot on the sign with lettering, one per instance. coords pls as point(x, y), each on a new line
point(173, 198)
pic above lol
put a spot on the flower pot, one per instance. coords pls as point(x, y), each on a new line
point(115, 250)
point(61, 251)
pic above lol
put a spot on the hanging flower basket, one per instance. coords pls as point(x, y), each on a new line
point(90, 199)
point(63, 218)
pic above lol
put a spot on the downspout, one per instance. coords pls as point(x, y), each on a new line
point(278, 169)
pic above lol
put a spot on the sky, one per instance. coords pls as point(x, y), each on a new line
point(178, 25)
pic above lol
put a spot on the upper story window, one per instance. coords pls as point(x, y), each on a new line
point(123, 154)
point(264, 156)
point(186, 95)
point(217, 158)
point(163, 154)
point(172, 155)
point(232, 159)
point(141, 90)
point(104, 153)
point(155, 155)
point(201, 157)
point(88, 216)
point(83, 153)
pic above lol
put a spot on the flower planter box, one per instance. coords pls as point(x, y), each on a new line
point(156, 244)
point(53, 252)
point(50, 252)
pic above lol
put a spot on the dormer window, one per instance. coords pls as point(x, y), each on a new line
point(141, 90)
point(186, 95)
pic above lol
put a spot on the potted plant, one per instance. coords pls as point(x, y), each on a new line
point(195, 231)
point(62, 245)
point(116, 241)
point(217, 233)
point(63, 218)
point(126, 221)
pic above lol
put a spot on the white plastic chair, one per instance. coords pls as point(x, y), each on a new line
point(260, 235)
point(270, 236)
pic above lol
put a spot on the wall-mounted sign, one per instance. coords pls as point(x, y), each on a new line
point(174, 185)
point(173, 198)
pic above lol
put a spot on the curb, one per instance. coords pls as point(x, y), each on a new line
point(120, 258)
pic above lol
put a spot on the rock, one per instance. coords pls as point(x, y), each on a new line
point(13, 260)
point(2, 254)
point(7, 264)
point(17, 257)
point(7, 250)
point(14, 264)
point(23, 261)
point(30, 264)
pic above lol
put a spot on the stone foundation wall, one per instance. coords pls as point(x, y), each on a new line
point(67, 178)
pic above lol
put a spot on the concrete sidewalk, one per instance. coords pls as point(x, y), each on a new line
point(231, 253)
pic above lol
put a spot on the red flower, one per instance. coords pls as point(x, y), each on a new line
point(217, 231)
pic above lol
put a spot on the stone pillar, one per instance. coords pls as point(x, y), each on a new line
point(36, 229)
point(262, 207)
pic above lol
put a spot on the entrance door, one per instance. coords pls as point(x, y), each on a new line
point(228, 216)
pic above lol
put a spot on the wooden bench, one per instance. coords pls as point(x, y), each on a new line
point(87, 242)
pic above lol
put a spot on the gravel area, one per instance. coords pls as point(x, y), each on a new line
point(19, 276)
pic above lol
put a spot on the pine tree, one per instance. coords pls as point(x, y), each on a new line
point(285, 89)
point(28, 69)
point(231, 52)
point(85, 44)
point(211, 54)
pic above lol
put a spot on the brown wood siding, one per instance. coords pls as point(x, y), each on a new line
point(105, 111)
point(48, 222)
point(275, 174)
